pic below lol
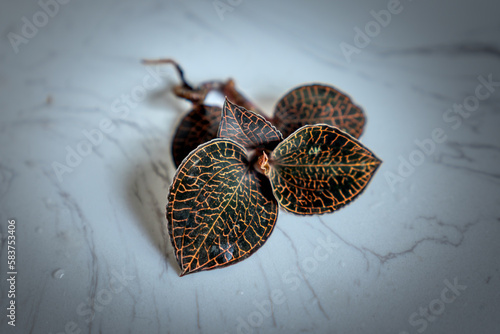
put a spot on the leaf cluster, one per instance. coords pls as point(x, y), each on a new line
point(236, 168)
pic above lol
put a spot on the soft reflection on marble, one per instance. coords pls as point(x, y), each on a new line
point(85, 167)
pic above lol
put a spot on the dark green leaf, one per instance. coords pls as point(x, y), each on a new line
point(318, 104)
point(319, 169)
point(247, 128)
point(197, 127)
point(220, 210)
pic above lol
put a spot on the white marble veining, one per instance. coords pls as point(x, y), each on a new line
point(91, 250)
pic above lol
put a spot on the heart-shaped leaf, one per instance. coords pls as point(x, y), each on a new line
point(319, 169)
point(199, 126)
point(220, 210)
point(318, 104)
point(247, 128)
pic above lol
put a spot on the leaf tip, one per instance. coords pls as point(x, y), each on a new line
point(185, 272)
point(228, 104)
point(377, 160)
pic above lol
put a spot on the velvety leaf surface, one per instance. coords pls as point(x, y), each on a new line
point(199, 126)
point(318, 104)
point(247, 128)
point(319, 169)
point(220, 210)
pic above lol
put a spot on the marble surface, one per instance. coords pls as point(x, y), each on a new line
point(418, 252)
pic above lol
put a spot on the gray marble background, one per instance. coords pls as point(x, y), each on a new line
point(418, 252)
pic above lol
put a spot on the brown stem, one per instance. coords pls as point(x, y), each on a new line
point(262, 164)
point(169, 61)
point(197, 95)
